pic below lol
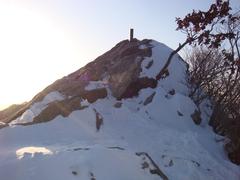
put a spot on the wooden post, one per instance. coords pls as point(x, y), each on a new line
point(131, 34)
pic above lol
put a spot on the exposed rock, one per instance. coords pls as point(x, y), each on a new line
point(196, 163)
point(119, 81)
point(154, 169)
point(10, 110)
point(141, 83)
point(56, 108)
point(172, 92)
point(149, 99)
point(179, 113)
point(65, 107)
point(127, 69)
point(196, 117)
point(118, 104)
point(74, 173)
point(92, 177)
point(170, 163)
point(94, 94)
point(99, 120)
point(145, 165)
point(121, 64)
point(163, 74)
point(149, 64)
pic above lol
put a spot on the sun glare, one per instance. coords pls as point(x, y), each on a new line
point(31, 46)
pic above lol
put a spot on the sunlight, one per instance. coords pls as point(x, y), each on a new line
point(34, 51)
point(20, 153)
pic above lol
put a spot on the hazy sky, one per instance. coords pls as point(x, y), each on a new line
point(43, 40)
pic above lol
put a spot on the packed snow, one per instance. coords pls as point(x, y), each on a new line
point(138, 139)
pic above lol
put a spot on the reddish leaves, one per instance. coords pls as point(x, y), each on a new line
point(199, 25)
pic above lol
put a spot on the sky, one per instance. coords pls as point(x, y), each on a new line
point(44, 40)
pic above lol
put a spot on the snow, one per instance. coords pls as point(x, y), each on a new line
point(37, 108)
point(84, 102)
point(143, 46)
point(2, 123)
point(96, 85)
point(26, 117)
point(72, 148)
point(20, 153)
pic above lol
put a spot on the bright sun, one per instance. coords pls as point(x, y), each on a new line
point(31, 47)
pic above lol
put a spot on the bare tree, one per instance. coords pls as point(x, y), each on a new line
point(215, 73)
point(200, 28)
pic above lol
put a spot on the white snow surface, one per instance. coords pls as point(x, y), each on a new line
point(32, 150)
point(37, 108)
point(72, 148)
point(96, 85)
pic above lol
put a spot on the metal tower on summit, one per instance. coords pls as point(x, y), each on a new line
point(131, 34)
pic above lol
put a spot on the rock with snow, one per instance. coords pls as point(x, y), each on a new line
point(113, 120)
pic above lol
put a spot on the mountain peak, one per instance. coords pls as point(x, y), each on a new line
point(113, 112)
point(119, 69)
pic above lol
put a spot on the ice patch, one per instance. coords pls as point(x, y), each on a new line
point(20, 153)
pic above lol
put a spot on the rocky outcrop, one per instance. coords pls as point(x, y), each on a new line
point(134, 87)
point(121, 66)
point(94, 95)
point(63, 108)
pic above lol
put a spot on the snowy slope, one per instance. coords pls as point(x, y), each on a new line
point(150, 136)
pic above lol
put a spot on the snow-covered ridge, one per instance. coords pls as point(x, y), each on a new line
point(149, 136)
point(177, 69)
